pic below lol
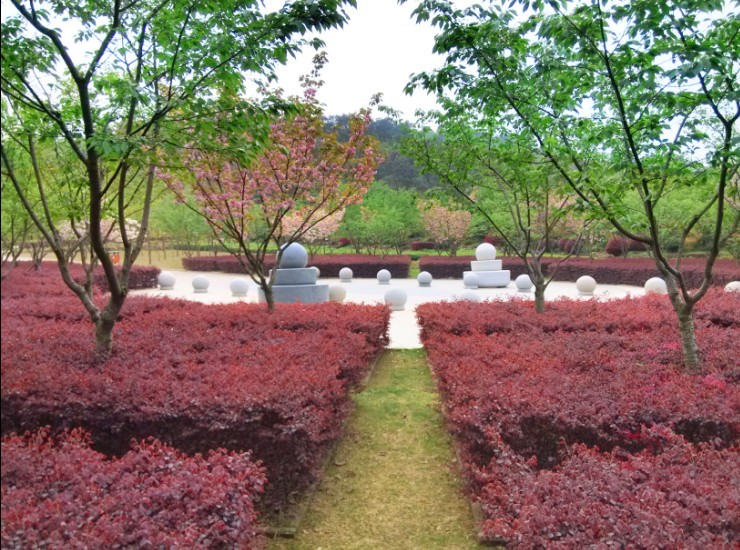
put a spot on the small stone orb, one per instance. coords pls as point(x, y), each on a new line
point(732, 286)
point(468, 296)
point(345, 275)
point(470, 280)
point(294, 256)
point(317, 270)
point(485, 252)
point(396, 299)
point(239, 287)
point(424, 278)
point(384, 277)
point(166, 280)
point(524, 283)
point(337, 293)
point(586, 285)
point(655, 285)
point(200, 284)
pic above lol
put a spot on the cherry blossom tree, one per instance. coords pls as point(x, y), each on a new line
point(447, 227)
point(304, 171)
point(319, 233)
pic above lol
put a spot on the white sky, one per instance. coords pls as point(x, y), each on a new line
point(375, 52)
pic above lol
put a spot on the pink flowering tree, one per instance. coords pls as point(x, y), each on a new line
point(302, 178)
point(447, 227)
point(319, 233)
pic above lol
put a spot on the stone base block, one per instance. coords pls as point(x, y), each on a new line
point(485, 265)
point(295, 276)
point(290, 294)
point(492, 279)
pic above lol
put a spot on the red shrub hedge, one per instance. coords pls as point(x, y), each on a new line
point(63, 494)
point(197, 377)
point(584, 372)
point(445, 267)
point(141, 276)
point(362, 265)
point(620, 246)
point(422, 245)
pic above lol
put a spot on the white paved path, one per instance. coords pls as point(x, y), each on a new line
point(404, 330)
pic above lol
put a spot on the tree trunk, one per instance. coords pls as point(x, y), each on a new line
point(691, 360)
point(269, 297)
point(104, 336)
point(539, 297)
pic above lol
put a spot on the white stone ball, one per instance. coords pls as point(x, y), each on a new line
point(317, 270)
point(424, 278)
point(470, 280)
point(337, 293)
point(294, 256)
point(586, 285)
point(345, 275)
point(396, 298)
point(166, 280)
point(656, 285)
point(468, 296)
point(239, 287)
point(485, 252)
point(524, 283)
point(384, 277)
point(200, 284)
point(732, 286)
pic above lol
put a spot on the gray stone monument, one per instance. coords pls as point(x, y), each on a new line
point(487, 268)
point(294, 282)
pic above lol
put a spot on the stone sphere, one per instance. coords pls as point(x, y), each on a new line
point(384, 277)
point(655, 285)
point(524, 283)
point(485, 252)
point(200, 284)
point(166, 280)
point(396, 298)
point(424, 278)
point(586, 285)
point(470, 280)
point(294, 256)
point(733, 286)
point(317, 270)
point(239, 287)
point(337, 293)
point(468, 296)
point(345, 275)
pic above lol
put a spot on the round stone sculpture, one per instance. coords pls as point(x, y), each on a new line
point(655, 285)
point(424, 278)
point(166, 280)
point(200, 284)
point(239, 287)
point(586, 285)
point(384, 277)
point(337, 293)
point(470, 280)
point(345, 275)
point(396, 298)
point(485, 252)
point(524, 283)
point(732, 286)
point(468, 296)
point(294, 256)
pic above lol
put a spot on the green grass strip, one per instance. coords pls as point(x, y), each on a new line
point(393, 482)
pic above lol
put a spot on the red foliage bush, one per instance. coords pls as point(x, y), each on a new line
point(362, 265)
point(620, 246)
point(141, 276)
point(344, 241)
point(197, 377)
point(582, 373)
point(495, 240)
point(422, 245)
point(63, 494)
point(443, 267)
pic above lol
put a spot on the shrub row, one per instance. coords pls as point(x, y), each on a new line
point(140, 276)
point(362, 265)
point(422, 245)
point(197, 377)
point(520, 388)
point(613, 271)
point(60, 493)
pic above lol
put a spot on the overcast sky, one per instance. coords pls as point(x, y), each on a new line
point(376, 51)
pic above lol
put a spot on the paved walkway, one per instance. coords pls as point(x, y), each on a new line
point(404, 330)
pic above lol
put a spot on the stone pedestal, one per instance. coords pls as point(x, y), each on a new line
point(487, 268)
point(294, 282)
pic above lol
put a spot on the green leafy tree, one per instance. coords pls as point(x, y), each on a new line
point(151, 72)
point(624, 99)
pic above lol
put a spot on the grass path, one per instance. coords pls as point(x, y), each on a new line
point(393, 483)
